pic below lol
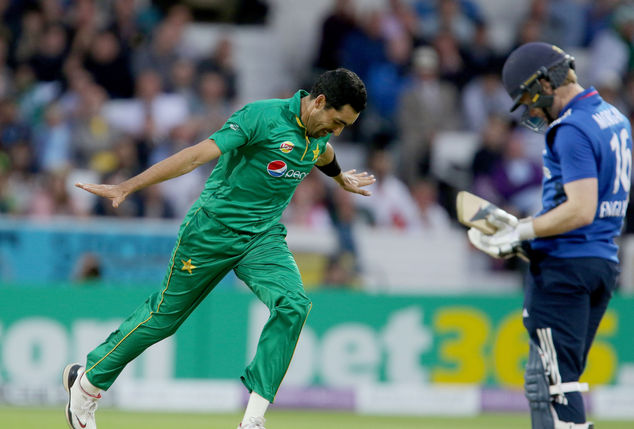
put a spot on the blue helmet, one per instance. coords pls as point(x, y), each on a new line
point(523, 69)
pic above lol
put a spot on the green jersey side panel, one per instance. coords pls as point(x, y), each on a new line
point(265, 154)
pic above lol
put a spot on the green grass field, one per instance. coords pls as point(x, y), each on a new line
point(50, 418)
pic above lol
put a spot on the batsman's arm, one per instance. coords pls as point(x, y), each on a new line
point(176, 165)
point(578, 210)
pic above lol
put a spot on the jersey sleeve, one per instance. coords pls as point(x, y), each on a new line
point(237, 131)
point(575, 153)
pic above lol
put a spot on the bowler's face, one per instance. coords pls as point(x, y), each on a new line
point(323, 121)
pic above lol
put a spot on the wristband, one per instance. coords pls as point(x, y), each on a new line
point(525, 229)
point(331, 169)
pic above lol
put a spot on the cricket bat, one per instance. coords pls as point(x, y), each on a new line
point(472, 211)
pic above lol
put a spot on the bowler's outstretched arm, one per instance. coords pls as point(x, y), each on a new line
point(176, 165)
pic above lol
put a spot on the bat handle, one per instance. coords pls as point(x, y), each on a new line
point(521, 253)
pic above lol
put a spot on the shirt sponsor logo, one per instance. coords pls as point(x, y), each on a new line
point(280, 169)
point(234, 127)
point(276, 168)
point(294, 174)
point(287, 146)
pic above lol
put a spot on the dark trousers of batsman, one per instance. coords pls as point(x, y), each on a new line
point(205, 252)
point(569, 296)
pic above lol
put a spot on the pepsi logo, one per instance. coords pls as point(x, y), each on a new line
point(287, 146)
point(276, 168)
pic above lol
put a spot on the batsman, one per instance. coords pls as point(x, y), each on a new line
point(265, 149)
point(571, 242)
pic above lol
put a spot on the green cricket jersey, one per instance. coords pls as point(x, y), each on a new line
point(265, 154)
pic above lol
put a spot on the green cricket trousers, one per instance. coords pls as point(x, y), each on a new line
point(205, 252)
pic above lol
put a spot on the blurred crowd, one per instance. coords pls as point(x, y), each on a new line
point(98, 91)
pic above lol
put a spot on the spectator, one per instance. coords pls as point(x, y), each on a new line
point(479, 55)
point(183, 81)
point(392, 205)
point(562, 22)
point(448, 15)
point(6, 203)
point(339, 23)
point(433, 217)
point(598, 18)
point(26, 42)
point(451, 64)
point(179, 15)
point(84, 23)
point(530, 30)
point(13, 131)
point(151, 113)
point(77, 81)
point(161, 52)
point(92, 136)
point(489, 154)
point(48, 60)
point(515, 180)
point(628, 96)
point(401, 20)
point(611, 50)
point(221, 61)
point(386, 81)
point(425, 108)
point(52, 10)
point(365, 46)
point(126, 23)
point(344, 214)
point(109, 65)
point(19, 182)
point(10, 22)
point(51, 197)
point(211, 106)
point(52, 141)
point(6, 76)
point(484, 96)
point(33, 96)
point(611, 89)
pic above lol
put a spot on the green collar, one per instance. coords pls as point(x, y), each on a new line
point(296, 102)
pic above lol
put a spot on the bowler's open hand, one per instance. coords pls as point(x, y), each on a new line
point(352, 181)
point(112, 192)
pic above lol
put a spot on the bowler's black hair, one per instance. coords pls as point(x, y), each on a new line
point(341, 87)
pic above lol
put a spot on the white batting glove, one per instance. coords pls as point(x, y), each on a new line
point(507, 240)
point(476, 237)
point(501, 219)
